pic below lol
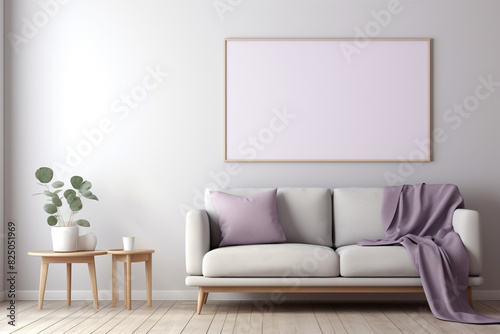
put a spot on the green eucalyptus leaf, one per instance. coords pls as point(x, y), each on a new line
point(56, 201)
point(69, 192)
point(71, 198)
point(76, 204)
point(49, 193)
point(58, 184)
point(76, 181)
point(83, 222)
point(50, 208)
point(44, 174)
point(85, 186)
point(52, 220)
point(89, 195)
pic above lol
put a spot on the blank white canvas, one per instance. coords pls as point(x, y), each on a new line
point(316, 100)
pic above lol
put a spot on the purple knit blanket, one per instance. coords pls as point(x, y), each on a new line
point(419, 217)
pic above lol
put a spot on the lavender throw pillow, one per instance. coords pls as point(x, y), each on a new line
point(248, 220)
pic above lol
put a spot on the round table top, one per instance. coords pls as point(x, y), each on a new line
point(135, 251)
point(50, 253)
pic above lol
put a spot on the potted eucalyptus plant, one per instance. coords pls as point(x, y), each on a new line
point(64, 231)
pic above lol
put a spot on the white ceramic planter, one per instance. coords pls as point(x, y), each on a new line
point(64, 239)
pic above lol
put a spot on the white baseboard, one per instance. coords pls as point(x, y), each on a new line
point(193, 295)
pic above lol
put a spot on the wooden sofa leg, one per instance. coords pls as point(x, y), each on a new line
point(202, 299)
point(205, 298)
point(469, 297)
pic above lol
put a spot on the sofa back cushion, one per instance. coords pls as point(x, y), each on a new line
point(357, 215)
point(305, 214)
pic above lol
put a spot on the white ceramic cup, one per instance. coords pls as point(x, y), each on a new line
point(128, 243)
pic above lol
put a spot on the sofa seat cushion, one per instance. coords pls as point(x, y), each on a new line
point(375, 261)
point(272, 260)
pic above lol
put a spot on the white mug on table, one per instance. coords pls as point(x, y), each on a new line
point(128, 243)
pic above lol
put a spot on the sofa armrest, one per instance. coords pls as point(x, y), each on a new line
point(466, 224)
point(197, 240)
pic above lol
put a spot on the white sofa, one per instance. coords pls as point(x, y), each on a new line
point(321, 254)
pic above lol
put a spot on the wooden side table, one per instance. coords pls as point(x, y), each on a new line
point(68, 258)
point(127, 257)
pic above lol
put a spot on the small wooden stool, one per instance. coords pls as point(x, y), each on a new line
point(68, 258)
point(127, 257)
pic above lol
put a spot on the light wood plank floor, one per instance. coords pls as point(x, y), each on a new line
point(238, 317)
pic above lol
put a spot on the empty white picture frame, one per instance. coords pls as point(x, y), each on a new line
point(327, 100)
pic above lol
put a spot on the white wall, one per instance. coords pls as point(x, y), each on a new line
point(72, 63)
